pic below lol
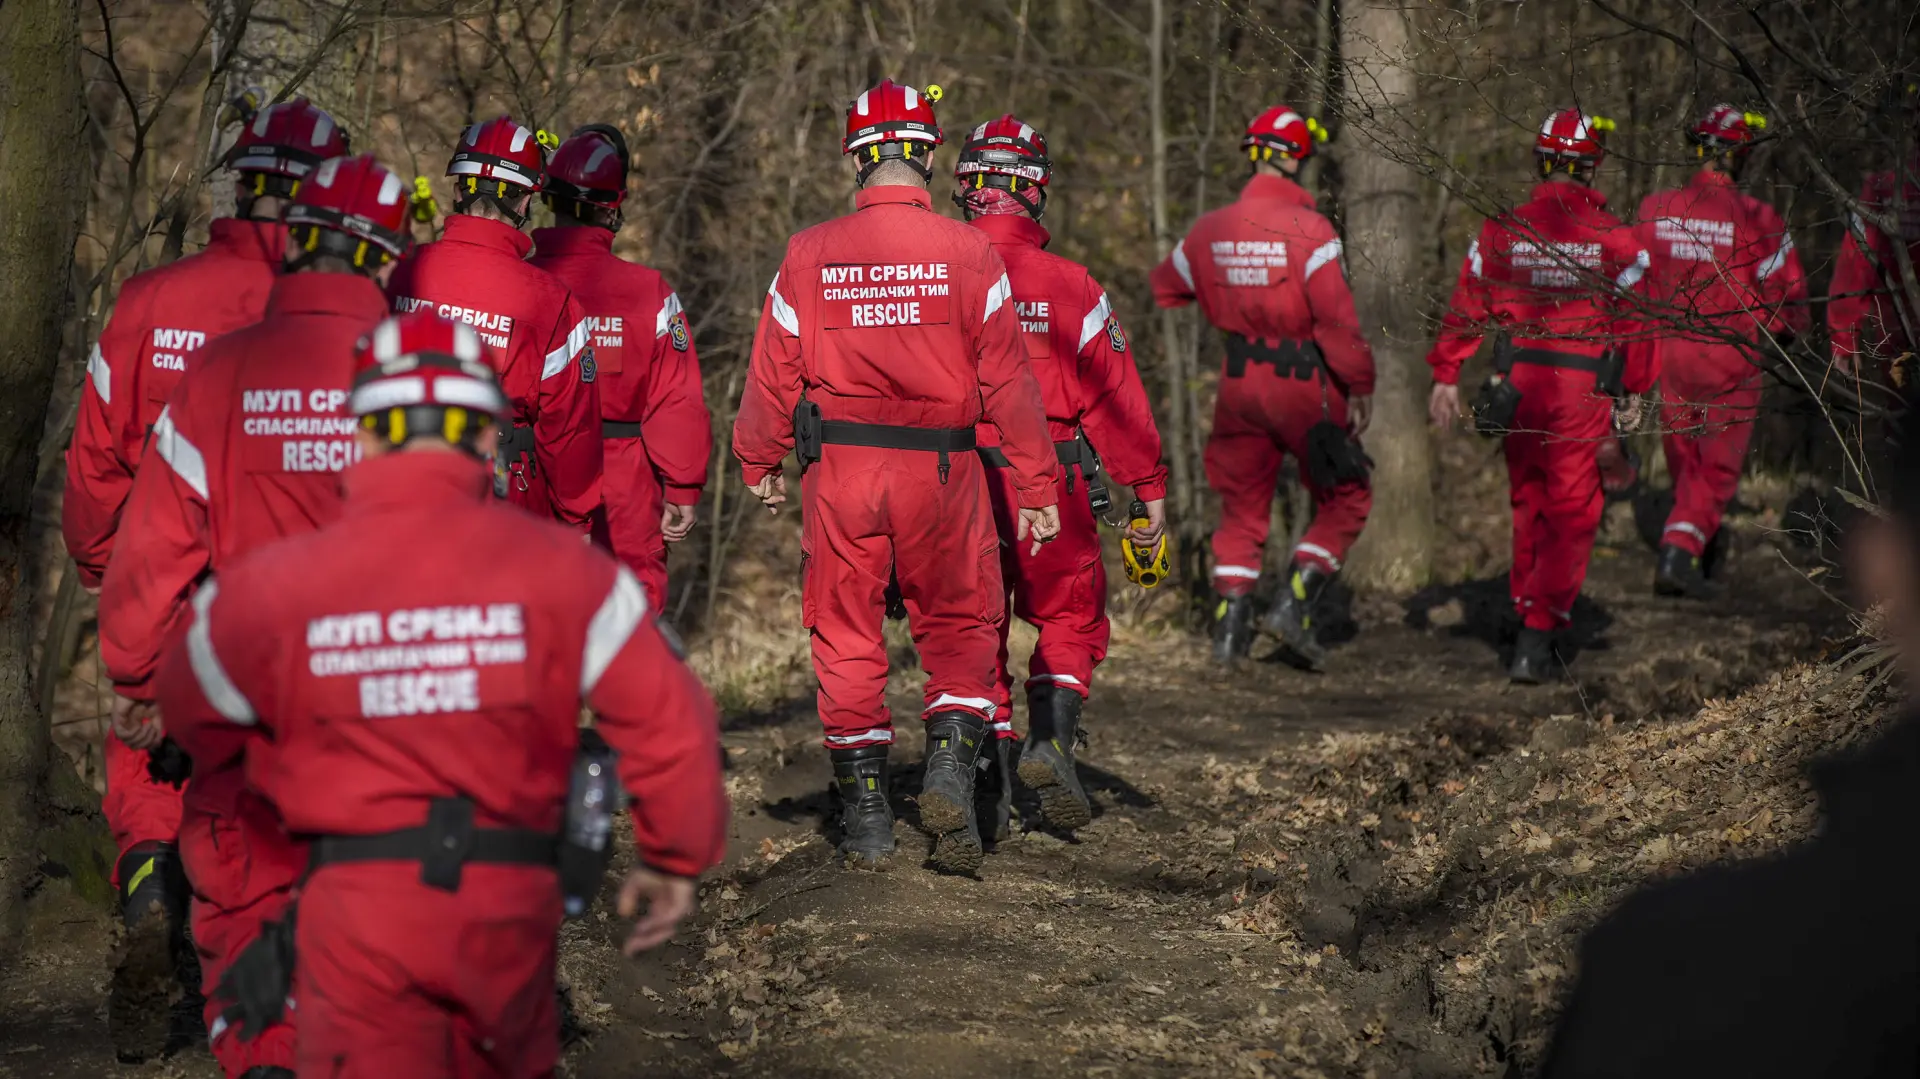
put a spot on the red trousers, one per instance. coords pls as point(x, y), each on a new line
point(1258, 419)
point(395, 978)
point(243, 868)
point(1062, 591)
point(138, 809)
point(629, 524)
point(871, 513)
point(1707, 416)
point(1554, 485)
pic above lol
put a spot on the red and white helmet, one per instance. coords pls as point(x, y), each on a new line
point(353, 208)
point(1281, 130)
point(499, 151)
point(1003, 168)
point(1573, 137)
point(591, 166)
point(1727, 128)
point(284, 140)
point(419, 374)
point(886, 122)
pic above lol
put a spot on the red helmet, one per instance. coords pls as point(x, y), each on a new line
point(887, 121)
point(1284, 131)
point(1574, 137)
point(499, 151)
point(285, 140)
point(1003, 169)
point(420, 374)
point(353, 208)
point(1727, 128)
point(591, 166)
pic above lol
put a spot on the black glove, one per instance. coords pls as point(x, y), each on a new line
point(255, 987)
point(168, 763)
point(1334, 457)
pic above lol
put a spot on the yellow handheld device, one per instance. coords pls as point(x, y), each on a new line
point(1145, 568)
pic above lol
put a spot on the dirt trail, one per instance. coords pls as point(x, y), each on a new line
point(1226, 913)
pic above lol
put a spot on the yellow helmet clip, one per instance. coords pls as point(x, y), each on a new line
point(424, 206)
point(1601, 123)
point(935, 93)
point(1319, 133)
point(1755, 120)
point(1146, 568)
point(546, 139)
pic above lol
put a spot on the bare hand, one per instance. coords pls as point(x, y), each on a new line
point(1042, 524)
point(137, 723)
point(1443, 406)
point(676, 522)
point(1359, 413)
point(669, 901)
point(1146, 537)
point(771, 490)
point(1626, 413)
point(1843, 362)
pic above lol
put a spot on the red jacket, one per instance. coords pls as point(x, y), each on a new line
point(475, 273)
point(1267, 267)
point(1722, 260)
point(931, 341)
point(1862, 316)
point(253, 441)
point(161, 318)
point(371, 667)
point(1080, 356)
point(1551, 273)
point(656, 382)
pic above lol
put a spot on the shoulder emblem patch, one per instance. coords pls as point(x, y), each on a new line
point(1115, 335)
point(588, 367)
point(677, 331)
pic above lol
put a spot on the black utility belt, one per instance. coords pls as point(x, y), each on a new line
point(1070, 452)
point(447, 842)
point(1289, 359)
point(619, 429)
point(811, 432)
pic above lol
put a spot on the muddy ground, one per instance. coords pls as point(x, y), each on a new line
point(1376, 871)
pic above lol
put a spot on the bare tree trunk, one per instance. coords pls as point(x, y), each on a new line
point(1383, 223)
point(41, 123)
point(1185, 495)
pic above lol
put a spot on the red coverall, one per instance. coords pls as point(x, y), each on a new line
point(1548, 273)
point(160, 319)
point(1724, 275)
point(1268, 268)
point(658, 433)
point(1862, 316)
point(1088, 383)
point(366, 669)
point(252, 444)
point(896, 315)
point(475, 274)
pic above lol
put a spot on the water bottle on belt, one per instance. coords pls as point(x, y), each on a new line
point(594, 796)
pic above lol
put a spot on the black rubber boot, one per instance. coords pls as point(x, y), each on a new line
point(866, 817)
point(1680, 575)
point(1293, 618)
point(1232, 628)
point(993, 789)
point(266, 1071)
point(954, 744)
point(1532, 658)
point(1046, 761)
point(153, 909)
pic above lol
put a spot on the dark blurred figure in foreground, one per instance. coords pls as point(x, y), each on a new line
point(1807, 964)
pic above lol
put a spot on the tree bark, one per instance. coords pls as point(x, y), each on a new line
point(1383, 226)
point(1184, 494)
point(41, 126)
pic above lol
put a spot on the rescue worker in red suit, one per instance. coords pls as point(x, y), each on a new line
point(1549, 276)
point(652, 415)
point(416, 669)
point(250, 448)
point(1267, 272)
point(1872, 318)
point(1725, 279)
point(895, 326)
point(475, 273)
point(163, 316)
point(1094, 400)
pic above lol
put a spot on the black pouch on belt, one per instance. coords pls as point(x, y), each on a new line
point(1334, 456)
point(806, 433)
point(586, 838)
point(169, 764)
point(1498, 400)
point(449, 843)
point(254, 989)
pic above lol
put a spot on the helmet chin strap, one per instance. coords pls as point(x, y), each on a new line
point(880, 153)
point(501, 198)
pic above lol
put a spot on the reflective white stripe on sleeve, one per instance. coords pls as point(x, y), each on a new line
point(1473, 259)
point(1180, 264)
point(1096, 320)
point(559, 358)
point(619, 615)
point(1631, 276)
point(1325, 253)
point(1251, 573)
point(1000, 293)
point(782, 310)
point(1776, 260)
point(979, 704)
point(102, 377)
point(183, 456)
point(1857, 225)
point(220, 691)
point(669, 308)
